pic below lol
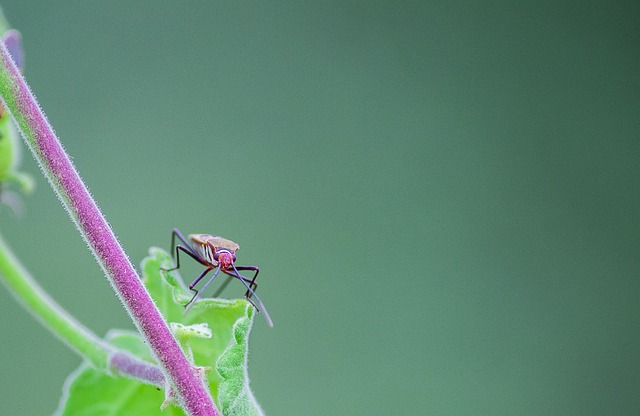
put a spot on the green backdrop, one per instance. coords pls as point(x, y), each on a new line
point(442, 196)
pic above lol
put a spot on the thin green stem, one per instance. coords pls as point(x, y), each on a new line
point(79, 338)
point(48, 312)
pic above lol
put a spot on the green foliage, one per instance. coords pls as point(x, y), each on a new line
point(214, 335)
point(90, 392)
point(10, 155)
point(8, 148)
point(234, 395)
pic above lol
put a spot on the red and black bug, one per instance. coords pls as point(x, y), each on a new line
point(218, 254)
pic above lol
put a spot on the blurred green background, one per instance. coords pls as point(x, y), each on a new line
point(442, 196)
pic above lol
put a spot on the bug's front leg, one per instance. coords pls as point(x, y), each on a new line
point(189, 305)
point(195, 282)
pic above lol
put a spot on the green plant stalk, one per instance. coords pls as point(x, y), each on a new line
point(50, 314)
point(79, 338)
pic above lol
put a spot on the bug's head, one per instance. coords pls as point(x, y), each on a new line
point(224, 257)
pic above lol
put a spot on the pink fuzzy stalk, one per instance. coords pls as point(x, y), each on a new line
point(63, 177)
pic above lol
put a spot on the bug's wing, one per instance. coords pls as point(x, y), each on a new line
point(215, 241)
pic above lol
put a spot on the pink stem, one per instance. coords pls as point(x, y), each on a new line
point(94, 228)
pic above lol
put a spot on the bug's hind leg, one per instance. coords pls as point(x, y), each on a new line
point(186, 248)
point(188, 251)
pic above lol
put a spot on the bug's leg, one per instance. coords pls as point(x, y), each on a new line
point(194, 283)
point(189, 305)
point(176, 233)
point(253, 285)
point(188, 252)
point(187, 248)
point(203, 274)
point(252, 294)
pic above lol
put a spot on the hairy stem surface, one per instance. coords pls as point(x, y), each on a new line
point(63, 177)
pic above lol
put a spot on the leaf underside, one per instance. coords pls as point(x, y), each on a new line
point(92, 392)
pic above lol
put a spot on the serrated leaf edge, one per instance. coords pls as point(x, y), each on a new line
point(239, 334)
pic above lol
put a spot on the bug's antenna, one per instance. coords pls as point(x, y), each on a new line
point(197, 295)
point(262, 308)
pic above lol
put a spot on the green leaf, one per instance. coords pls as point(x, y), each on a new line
point(90, 392)
point(214, 334)
point(230, 322)
point(234, 395)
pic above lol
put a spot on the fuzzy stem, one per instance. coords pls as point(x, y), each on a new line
point(95, 230)
point(79, 338)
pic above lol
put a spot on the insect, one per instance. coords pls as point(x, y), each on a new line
point(218, 254)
